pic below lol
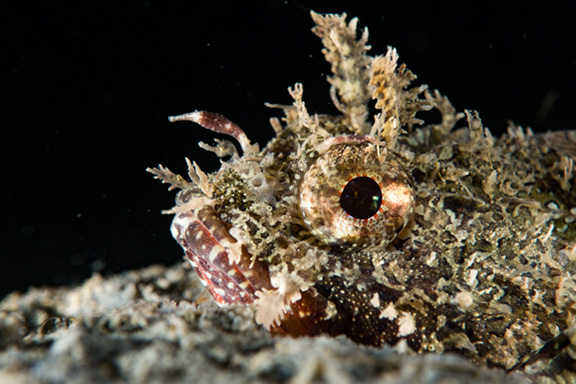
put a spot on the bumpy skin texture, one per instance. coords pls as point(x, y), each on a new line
point(472, 250)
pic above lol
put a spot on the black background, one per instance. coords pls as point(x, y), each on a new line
point(87, 86)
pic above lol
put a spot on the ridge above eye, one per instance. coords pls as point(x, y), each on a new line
point(356, 195)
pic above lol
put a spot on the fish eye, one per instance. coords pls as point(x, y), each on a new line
point(361, 197)
point(356, 195)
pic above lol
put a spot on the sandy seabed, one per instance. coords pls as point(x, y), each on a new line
point(143, 326)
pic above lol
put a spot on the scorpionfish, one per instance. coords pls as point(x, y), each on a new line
point(388, 229)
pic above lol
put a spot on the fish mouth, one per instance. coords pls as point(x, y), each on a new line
point(233, 276)
point(222, 263)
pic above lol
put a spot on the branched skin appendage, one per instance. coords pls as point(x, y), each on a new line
point(439, 237)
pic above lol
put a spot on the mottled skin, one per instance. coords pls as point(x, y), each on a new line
point(481, 262)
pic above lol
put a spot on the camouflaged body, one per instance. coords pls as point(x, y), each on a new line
point(485, 266)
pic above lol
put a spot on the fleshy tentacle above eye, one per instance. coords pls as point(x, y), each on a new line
point(358, 78)
point(350, 64)
point(394, 98)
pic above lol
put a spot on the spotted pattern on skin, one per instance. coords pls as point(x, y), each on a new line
point(476, 256)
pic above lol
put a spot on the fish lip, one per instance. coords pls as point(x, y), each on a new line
point(223, 265)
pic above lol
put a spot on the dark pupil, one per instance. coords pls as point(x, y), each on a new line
point(361, 198)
